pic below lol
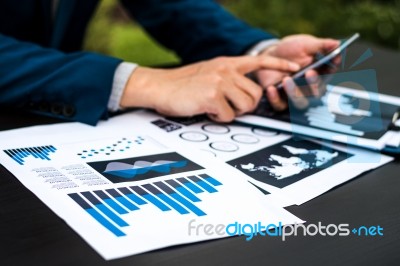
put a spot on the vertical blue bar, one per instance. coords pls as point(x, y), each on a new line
point(14, 153)
point(179, 198)
point(114, 205)
point(104, 209)
point(190, 185)
point(183, 190)
point(96, 215)
point(32, 152)
point(52, 148)
point(172, 203)
point(127, 203)
point(136, 199)
point(210, 179)
point(188, 194)
point(46, 150)
point(25, 152)
point(38, 153)
point(122, 200)
point(18, 153)
point(18, 156)
point(165, 198)
point(188, 204)
point(115, 218)
point(206, 186)
point(132, 196)
point(151, 199)
point(12, 156)
point(8, 153)
point(156, 202)
point(43, 153)
point(20, 161)
point(11, 153)
point(99, 218)
point(203, 184)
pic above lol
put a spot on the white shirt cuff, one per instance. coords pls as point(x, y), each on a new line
point(261, 46)
point(121, 77)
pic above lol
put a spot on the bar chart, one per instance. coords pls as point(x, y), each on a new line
point(179, 195)
point(41, 152)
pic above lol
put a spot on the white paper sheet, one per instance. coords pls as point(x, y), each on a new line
point(290, 171)
point(105, 182)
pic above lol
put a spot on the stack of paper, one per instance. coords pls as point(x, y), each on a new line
point(140, 181)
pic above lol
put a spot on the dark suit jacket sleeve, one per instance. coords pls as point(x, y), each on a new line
point(73, 86)
point(195, 29)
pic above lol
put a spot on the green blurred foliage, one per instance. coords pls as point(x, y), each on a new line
point(113, 32)
point(377, 21)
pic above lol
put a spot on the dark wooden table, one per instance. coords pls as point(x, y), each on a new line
point(31, 234)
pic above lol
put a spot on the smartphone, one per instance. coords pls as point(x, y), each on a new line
point(324, 60)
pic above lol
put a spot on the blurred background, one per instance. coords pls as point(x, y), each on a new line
point(114, 33)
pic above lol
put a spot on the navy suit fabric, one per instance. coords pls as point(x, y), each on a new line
point(42, 67)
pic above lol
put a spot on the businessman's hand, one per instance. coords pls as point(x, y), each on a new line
point(216, 87)
point(302, 50)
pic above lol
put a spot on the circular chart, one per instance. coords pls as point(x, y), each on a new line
point(194, 136)
point(224, 146)
point(245, 138)
point(263, 132)
point(215, 129)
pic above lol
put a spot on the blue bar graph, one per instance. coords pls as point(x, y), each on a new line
point(165, 198)
point(112, 203)
point(107, 206)
point(133, 197)
point(190, 185)
point(211, 180)
point(41, 152)
point(180, 199)
point(122, 200)
point(151, 198)
point(96, 215)
point(184, 191)
point(203, 184)
point(104, 209)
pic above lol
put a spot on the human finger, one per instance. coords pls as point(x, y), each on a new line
point(219, 109)
point(249, 87)
point(269, 77)
point(223, 112)
point(320, 46)
point(239, 96)
point(314, 82)
point(247, 64)
point(337, 60)
point(275, 99)
point(294, 93)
